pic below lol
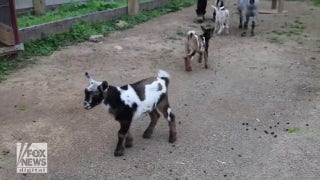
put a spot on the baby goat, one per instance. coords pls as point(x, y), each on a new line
point(130, 102)
point(221, 19)
point(247, 9)
point(197, 44)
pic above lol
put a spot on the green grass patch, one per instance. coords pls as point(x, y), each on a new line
point(293, 130)
point(318, 93)
point(275, 40)
point(81, 32)
point(317, 3)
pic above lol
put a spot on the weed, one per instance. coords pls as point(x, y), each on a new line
point(318, 93)
point(293, 130)
point(180, 33)
point(275, 40)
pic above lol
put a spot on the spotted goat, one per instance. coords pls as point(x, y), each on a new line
point(129, 102)
point(247, 9)
point(197, 44)
point(221, 18)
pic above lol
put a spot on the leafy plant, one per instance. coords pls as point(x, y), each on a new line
point(293, 130)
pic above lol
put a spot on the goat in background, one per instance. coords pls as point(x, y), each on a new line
point(197, 44)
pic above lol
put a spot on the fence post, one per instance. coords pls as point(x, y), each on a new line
point(274, 4)
point(280, 6)
point(39, 7)
point(133, 7)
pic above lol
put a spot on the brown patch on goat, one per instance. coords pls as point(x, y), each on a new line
point(139, 87)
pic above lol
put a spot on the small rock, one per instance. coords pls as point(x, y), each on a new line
point(185, 104)
point(34, 121)
point(239, 155)
point(124, 159)
point(225, 175)
point(270, 127)
point(254, 128)
point(275, 136)
point(247, 129)
point(204, 171)
point(288, 123)
point(278, 122)
point(232, 148)
point(243, 123)
point(96, 38)
point(179, 122)
point(170, 170)
point(272, 133)
point(170, 152)
point(173, 145)
point(266, 132)
point(118, 47)
point(247, 124)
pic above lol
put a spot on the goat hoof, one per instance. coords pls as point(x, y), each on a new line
point(206, 66)
point(240, 26)
point(252, 33)
point(128, 143)
point(147, 134)
point(172, 137)
point(243, 34)
point(119, 152)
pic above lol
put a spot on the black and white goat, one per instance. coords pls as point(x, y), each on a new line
point(197, 44)
point(221, 15)
point(247, 9)
point(129, 102)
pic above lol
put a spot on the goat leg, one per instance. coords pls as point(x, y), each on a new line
point(252, 28)
point(187, 63)
point(129, 140)
point(154, 116)
point(206, 59)
point(124, 128)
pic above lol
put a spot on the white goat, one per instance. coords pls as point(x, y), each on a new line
point(221, 19)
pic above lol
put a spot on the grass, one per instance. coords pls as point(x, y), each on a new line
point(318, 93)
point(294, 30)
point(81, 32)
point(69, 10)
point(275, 40)
point(293, 130)
point(317, 3)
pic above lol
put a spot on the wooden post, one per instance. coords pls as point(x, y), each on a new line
point(274, 4)
point(280, 6)
point(133, 7)
point(39, 7)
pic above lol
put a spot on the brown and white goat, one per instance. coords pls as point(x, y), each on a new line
point(130, 102)
point(197, 44)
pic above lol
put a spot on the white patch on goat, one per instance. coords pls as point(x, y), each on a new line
point(169, 112)
point(93, 85)
point(163, 73)
point(152, 96)
point(106, 107)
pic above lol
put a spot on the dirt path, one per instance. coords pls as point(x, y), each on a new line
point(250, 80)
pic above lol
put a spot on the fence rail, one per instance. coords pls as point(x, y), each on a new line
point(58, 27)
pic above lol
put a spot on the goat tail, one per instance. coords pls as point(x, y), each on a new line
point(163, 74)
point(190, 34)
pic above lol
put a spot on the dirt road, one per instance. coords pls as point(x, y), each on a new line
point(268, 87)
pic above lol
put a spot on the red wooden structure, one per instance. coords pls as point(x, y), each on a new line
point(9, 37)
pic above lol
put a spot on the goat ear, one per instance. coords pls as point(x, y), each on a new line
point(88, 76)
point(104, 85)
